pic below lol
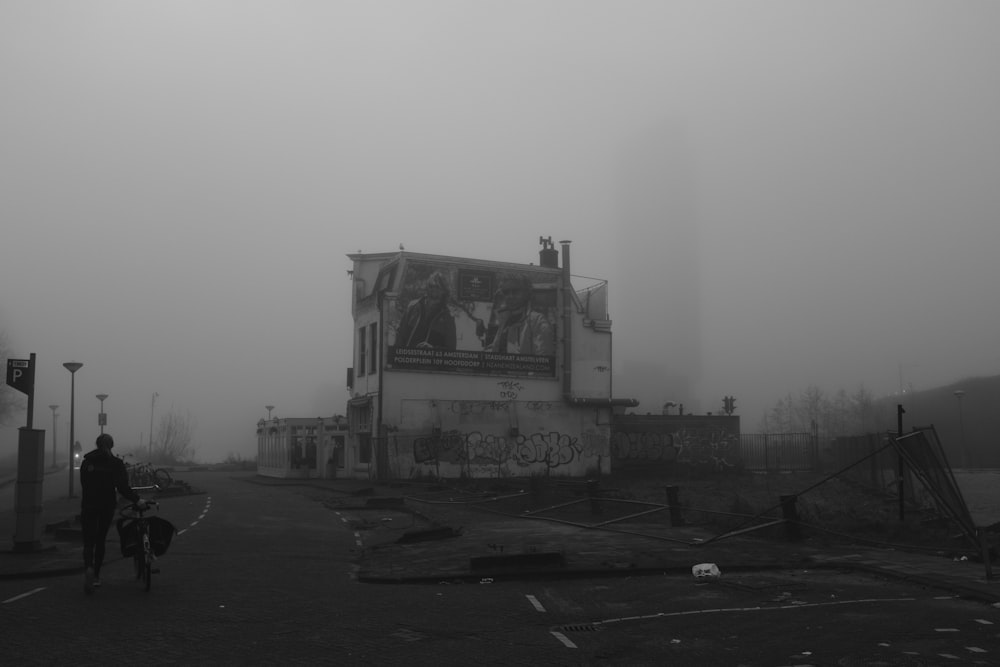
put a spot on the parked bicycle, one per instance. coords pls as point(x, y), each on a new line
point(143, 476)
point(144, 538)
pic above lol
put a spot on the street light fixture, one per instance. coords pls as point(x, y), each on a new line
point(54, 438)
point(72, 367)
point(101, 419)
point(269, 408)
point(959, 393)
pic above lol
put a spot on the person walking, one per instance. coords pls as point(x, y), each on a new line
point(102, 478)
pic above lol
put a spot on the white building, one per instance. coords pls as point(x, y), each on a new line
point(474, 368)
point(302, 447)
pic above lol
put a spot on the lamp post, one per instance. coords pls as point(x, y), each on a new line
point(101, 419)
point(959, 393)
point(72, 367)
point(152, 407)
point(54, 438)
point(269, 408)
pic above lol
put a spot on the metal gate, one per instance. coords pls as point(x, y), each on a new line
point(779, 452)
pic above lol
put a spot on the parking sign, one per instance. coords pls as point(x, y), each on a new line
point(21, 375)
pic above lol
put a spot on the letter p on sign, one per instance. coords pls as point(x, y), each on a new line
point(20, 375)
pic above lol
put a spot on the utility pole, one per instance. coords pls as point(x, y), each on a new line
point(959, 393)
point(54, 437)
point(152, 407)
point(72, 367)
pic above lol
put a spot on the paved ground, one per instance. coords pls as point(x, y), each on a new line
point(411, 534)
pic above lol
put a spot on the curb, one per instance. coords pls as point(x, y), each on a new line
point(961, 590)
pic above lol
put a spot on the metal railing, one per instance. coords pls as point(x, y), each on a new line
point(779, 452)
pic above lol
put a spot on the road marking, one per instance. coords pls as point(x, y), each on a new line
point(975, 649)
point(23, 595)
point(357, 539)
point(729, 610)
point(535, 603)
point(563, 638)
point(983, 621)
point(945, 629)
point(208, 506)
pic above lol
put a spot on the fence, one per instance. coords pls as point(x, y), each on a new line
point(779, 452)
point(866, 460)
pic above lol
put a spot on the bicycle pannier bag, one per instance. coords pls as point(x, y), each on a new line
point(161, 532)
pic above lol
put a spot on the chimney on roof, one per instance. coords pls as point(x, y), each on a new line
point(548, 256)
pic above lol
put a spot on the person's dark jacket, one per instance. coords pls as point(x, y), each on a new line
point(102, 474)
point(427, 323)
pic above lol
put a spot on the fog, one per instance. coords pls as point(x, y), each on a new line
point(780, 194)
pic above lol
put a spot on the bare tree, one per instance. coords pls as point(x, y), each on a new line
point(812, 406)
point(11, 401)
point(844, 414)
point(173, 438)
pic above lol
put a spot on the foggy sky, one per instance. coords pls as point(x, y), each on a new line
point(780, 193)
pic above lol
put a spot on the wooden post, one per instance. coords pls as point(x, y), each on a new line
point(902, 464)
point(673, 501)
point(594, 493)
point(985, 548)
point(791, 515)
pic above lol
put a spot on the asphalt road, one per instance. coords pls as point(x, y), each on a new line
point(266, 575)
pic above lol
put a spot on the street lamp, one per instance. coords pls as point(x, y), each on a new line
point(269, 408)
point(152, 407)
point(72, 367)
point(54, 438)
point(961, 427)
point(101, 419)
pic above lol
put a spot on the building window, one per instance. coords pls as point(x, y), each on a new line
point(359, 416)
point(365, 448)
point(362, 351)
point(373, 346)
point(310, 461)
point(338, 451)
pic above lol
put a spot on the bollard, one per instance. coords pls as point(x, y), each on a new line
point(594, 493)
point(791, 515)
point(28, 495)
point(985, 549)
point(673, 501)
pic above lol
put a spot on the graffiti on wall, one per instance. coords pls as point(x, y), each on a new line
point(710, 449)
point(552, 449)
point(479, 408)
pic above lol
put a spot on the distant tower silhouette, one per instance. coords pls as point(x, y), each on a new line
point(658, 302)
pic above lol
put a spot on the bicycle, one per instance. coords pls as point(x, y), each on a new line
point(144, 476)
point(144, 539)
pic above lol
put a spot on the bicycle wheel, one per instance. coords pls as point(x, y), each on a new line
point(162, 478)
point(147, 566)
point(137, 561)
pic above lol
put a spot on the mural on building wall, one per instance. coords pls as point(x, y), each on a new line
point(704, 449)
point(461, 320)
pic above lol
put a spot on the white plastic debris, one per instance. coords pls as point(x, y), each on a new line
point(706, 572)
